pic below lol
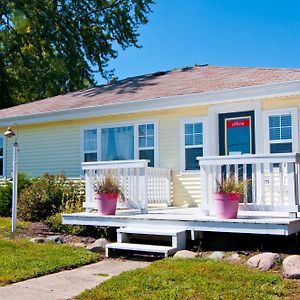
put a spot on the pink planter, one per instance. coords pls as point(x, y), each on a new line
point(227, 205)
point(107, 203)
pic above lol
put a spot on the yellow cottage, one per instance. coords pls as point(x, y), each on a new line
point(169, 136)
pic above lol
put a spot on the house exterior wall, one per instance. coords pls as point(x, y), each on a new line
point(55, 147)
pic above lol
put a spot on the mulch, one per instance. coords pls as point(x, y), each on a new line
point(39, 229)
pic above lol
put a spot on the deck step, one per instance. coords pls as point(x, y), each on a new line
point(166, 250)
point(151, 231)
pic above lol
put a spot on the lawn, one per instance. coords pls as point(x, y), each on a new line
point(5, 227)
point(21, 259)
point(194, 279)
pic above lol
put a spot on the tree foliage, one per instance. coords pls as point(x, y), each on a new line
point(49, 47)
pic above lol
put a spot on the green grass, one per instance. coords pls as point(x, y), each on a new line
point(21, 259)
point(5, 227)
point(193, 279)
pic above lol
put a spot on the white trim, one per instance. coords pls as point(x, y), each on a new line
point(213, 121)
point(3, 157)
point(182, 146)
point(284, 111)
point(134, 123)
point(264, 91)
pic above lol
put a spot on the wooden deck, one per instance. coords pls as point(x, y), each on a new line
point(188, 219)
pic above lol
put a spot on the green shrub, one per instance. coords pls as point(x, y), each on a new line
point(6, 193)
point(42, 199)
point(48, 195)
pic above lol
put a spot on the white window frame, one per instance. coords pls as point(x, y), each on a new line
point(138, 142)
point(135, 125)
point(97, 141)
point(202, 120)
point(293, 111)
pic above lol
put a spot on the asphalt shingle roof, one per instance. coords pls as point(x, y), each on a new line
point(198, 79)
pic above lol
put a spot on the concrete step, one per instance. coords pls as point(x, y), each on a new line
point(166, 250)
point(151, 231)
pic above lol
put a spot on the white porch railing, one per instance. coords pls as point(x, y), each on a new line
point(141, 185)
point(273, 180)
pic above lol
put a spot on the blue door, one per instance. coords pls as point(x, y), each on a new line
point(237, 137)
point(236, 133)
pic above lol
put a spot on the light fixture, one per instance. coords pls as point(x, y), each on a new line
point(9, 133)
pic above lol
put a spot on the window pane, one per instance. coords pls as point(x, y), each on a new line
point(1, 166)
point(286, 133)
point(188, 139)
point(274, 121)
point(274, 134)
point(198, 139)
point(149, 155)
point(191, 163)
point(142, 142)
point(198, 128)
point(1, 146)
point(90, 157)
point(189, 128)
point(150, 129)
point(281, 148)
point(90, 140)
point(286, 120)
point(117, 143)
point(150, 141)
point(142, 130)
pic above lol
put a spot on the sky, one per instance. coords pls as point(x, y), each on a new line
point(260, 33)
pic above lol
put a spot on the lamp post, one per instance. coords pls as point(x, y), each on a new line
point(9, 133)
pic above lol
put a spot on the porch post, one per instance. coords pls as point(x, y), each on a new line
point(142, 191)
point(88, 191)
point(292, 190)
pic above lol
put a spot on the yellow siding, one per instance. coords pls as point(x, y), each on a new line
point(55, 147)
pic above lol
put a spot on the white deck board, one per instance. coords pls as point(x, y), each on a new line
point(189, 219)
point(153, 230)
point(142, 247)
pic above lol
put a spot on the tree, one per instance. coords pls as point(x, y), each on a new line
point(49, 47)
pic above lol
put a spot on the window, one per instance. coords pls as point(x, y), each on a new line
point(117, 143)
point(193, 144)
point(90, 145)
point(280, 133)
point(1, 156)
point(133, 141)
point(146, 142)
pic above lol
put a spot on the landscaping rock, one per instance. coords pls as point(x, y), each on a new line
point(217, 255)
point(291, 266)
point(235, 258)
point(80, 245)
point(55, 239)
point(263, 261)
point(98, 246)
point(185, 254)
point(37, 240)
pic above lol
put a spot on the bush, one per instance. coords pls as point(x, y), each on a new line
point(48, 195)
point(6, 193)
point(41, 199)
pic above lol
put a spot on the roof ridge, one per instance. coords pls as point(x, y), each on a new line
point(258, 68)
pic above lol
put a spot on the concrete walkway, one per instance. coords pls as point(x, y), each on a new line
point(68, 284)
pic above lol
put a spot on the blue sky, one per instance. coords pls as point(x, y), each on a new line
point(264, 33)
